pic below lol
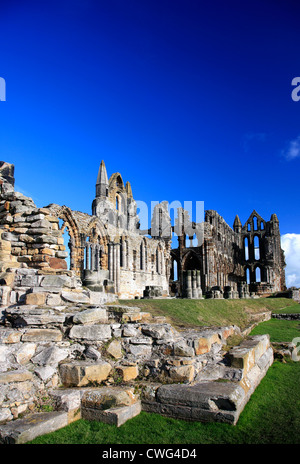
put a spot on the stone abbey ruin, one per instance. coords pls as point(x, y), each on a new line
point(64, 335)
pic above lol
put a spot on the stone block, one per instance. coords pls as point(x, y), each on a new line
point(114, 416)
point(203, 343)
point(5, 416)
point(4, 354)
point(84, 373)
point(182, 373)
point(226, 396)
point(45, 373)
point(41, 223)
point(130, 331)
point(7, 278)
point(75, 297)
point(42, 335)
point(50, 355)
point(141, 351)
point(181, 348)
point(68, 400)
point(115, 349)
point(29, 315)
point(249, 352)
point(95, 332)
point(15, 376)
point(58, 263)
point(4, 295)
point(10, 336)
point(36, 217)
point(35, 299)
point(132, 317)
point(159, 331)
point(29, 281)
point(127, 373)
point(262, 345)
point(53, 300)
point(92, 315)
point(242, 358)
point(25, 353)
point(108, 397)
point(32, 426)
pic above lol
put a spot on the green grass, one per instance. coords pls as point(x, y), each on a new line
point(280, 330)
point(291, 309)
point(272, 415)
point(190, 313)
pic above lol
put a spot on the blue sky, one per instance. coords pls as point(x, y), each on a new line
point(188, 100)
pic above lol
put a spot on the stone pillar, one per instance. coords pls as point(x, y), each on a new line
point(194, 284)
point(97, 263)
point(188, 283)
point(111, 261)
point(87, 256)
point(117, 267)
point(198, 277)
point(124, 248)
point(163, 266)
point(92, 265)
point(143, 258)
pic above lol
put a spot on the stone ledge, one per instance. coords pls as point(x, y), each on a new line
point(113, 416)
point(24, 430)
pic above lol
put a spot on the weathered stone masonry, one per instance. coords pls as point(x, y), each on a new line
point(230, 263)
point(63, 337)
point(110, 253)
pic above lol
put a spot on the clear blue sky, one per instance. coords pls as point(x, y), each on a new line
point(188, 100)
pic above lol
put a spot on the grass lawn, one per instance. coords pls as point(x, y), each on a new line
point(211, 312)
point(280, 330)
point(272, 415)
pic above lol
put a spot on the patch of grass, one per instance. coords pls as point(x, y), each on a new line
point(291, 309)
point(280, 330)
point(210, 312)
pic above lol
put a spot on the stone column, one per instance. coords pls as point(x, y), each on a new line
point(198, 277)
point(111, 261)
point(194, 285)
point(124, 261)
point(117, 267)
point(97, 263)
point(143, 258)
point(92, 257)
point(163, 270)
point(188, 282)
point(87, 256)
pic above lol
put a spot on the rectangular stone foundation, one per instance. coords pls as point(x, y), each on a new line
point(216, 401)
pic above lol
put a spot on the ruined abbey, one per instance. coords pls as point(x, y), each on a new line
point(61, 324)
point(112, 255)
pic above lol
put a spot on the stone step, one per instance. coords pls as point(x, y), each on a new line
point(212, 400)
point(111, 405)
point(108, 397)
point(113, 416)
point(23, 430)
point(205, 402)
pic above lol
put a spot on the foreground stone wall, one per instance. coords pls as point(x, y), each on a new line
point(74, 346)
